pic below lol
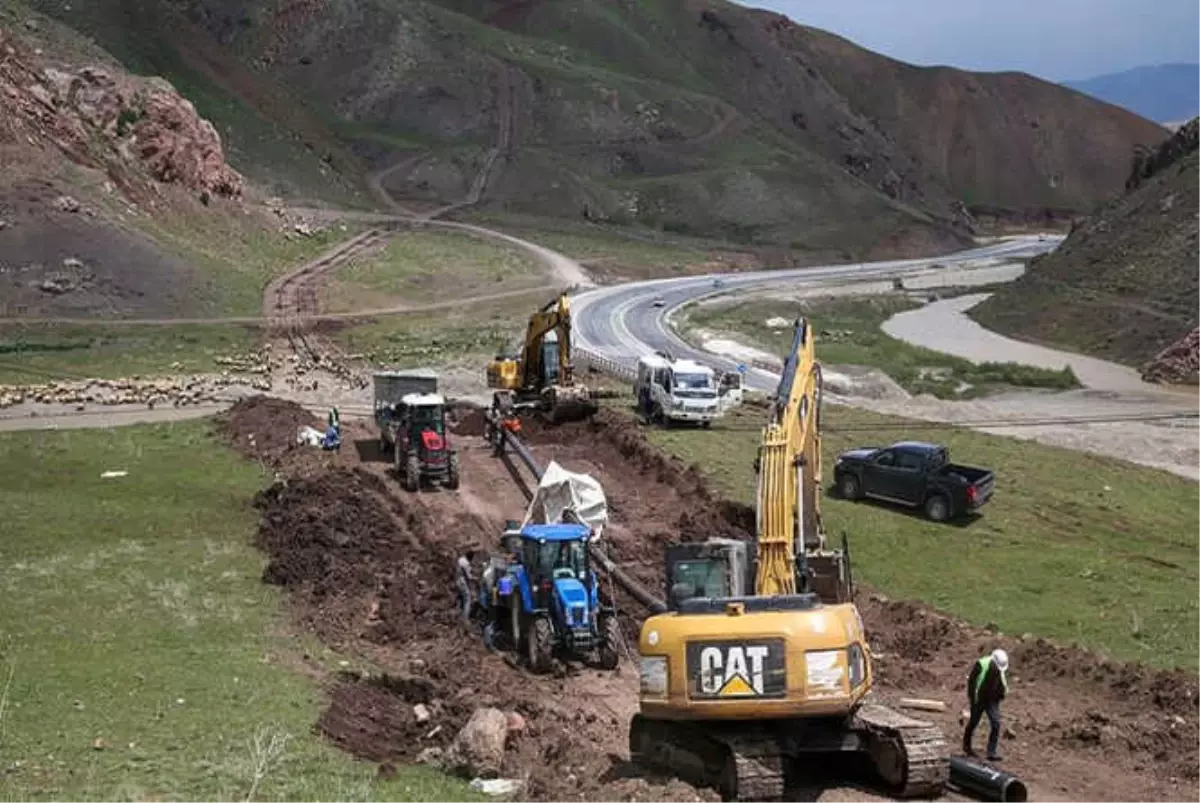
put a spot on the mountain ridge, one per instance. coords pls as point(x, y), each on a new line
point(1166, 93)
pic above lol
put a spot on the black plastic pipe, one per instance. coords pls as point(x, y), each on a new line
point(986, 783)
point(634, 588)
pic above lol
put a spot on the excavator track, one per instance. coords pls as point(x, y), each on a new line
point(909, 754)
point(751, 763)
point(740, 765)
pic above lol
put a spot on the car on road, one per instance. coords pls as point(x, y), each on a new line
point(718, 283)
point(659, 301)
point(914, 474)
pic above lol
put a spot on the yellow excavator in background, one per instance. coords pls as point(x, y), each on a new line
point(542, 376)
point(760, 658)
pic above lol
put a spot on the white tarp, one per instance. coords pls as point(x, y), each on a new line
point(560, 490)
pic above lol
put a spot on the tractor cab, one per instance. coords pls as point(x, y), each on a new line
point(554, 568)
point(422, 422)
point(422, 445)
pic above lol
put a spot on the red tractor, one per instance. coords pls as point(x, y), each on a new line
point(414, 429)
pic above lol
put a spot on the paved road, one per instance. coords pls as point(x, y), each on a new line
point(623, 323)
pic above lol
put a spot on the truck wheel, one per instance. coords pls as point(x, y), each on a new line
point(849, 487)
point(539, 642)
point(452, 475)
point(610, 638)
point(937, 508)
point(412, 473)
point(706, 424)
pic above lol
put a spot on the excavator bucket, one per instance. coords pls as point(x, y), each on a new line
point(570, 403)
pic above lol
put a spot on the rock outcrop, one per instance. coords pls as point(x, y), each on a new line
point(105, 119)
point(1179, 363)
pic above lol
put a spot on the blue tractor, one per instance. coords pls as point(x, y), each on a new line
point(547, 601)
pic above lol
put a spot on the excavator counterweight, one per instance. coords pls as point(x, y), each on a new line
point(761, 657)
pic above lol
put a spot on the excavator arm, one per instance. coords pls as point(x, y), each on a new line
point(553, 317)
point(789, 473)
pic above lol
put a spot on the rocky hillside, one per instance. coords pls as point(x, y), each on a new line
point(136, 143)
point(695, 117)
point(1123, 285)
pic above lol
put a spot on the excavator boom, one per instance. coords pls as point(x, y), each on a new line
point(789, 473)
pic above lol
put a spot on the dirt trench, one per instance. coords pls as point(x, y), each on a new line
point(369, 569)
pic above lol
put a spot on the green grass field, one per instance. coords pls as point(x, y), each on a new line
point(422, 266)
point(848, 333)
point(36, 354)
point(476, 331)
point(141, 656)
point(1072, 547)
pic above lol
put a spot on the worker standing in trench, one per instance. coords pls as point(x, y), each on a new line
point(463, 578)
point(987, 685)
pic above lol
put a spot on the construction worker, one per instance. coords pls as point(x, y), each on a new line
point(987, 685)
point(463, 578)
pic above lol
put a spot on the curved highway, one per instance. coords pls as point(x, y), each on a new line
point(622, 323)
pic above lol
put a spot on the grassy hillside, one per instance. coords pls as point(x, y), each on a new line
point(695, 118)
point(1123, 285)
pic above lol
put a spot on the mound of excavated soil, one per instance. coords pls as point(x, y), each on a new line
point(264, 428)
point(1064, 704)
point(372, 570)
point(654, 499)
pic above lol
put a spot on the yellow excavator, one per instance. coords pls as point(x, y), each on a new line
point(760, 658)
point(541, 377)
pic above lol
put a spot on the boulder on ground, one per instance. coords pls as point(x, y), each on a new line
point(478, 749)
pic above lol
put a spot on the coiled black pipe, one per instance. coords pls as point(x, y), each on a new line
point(986, 783)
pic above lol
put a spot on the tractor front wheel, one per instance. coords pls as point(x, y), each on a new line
point(539, 640)
point(610, 637)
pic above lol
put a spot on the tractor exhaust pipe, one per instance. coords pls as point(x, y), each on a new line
point(985, 782)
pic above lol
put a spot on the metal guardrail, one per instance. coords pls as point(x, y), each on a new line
point(588, 359)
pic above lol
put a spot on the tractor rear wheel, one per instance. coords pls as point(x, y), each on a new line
point(539, 635)
point(412, 473)
point(610, 637)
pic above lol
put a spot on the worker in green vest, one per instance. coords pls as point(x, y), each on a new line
point(986, 687)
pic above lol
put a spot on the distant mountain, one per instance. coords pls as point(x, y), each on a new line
point(1166, 93)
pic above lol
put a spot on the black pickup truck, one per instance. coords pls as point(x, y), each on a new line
point(918, 475)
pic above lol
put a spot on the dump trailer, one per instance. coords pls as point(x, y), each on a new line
point(411, 415)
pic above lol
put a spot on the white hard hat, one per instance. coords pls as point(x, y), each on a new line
point(1001, 659)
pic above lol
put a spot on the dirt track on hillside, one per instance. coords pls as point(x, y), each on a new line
point(369, 569)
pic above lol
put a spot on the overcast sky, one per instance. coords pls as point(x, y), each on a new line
point(1054, 39)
